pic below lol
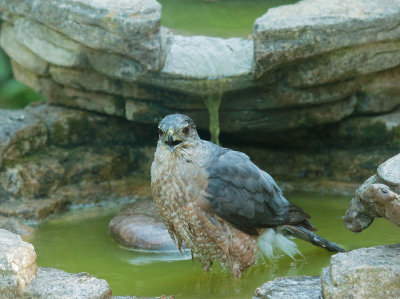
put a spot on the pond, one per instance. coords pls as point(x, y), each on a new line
point(77, 244)
point(222, 18)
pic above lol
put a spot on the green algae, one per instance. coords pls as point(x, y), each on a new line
point(82, 244)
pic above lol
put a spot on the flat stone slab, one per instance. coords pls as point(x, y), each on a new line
point(54, 283)
point(202, 57)
point(299, 287)
point(312, 27)
point(363, 273)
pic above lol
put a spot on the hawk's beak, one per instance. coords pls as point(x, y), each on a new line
point(171, 141)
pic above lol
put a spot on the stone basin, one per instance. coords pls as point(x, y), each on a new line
point(306, 64)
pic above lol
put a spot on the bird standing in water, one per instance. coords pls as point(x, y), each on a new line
point(219, 203)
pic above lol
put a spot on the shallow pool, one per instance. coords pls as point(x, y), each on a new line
point(85, 245)
point(224, 18)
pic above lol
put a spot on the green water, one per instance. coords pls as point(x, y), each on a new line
point(85, 246)
point(223, 18)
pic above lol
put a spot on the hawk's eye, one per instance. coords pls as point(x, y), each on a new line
point(160, 132)
point(185, 130)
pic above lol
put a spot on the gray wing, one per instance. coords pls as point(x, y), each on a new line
point(248, 197)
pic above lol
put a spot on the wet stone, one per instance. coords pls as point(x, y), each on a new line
point(17, 264)
point(363, 273)
point(15, 226)
point(305, 287)
point(139, 226)
point(54, 283)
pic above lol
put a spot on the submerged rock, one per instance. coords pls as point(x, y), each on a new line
point(377, 197)
point(299, 287)
point(139, 226)
point(363, 273)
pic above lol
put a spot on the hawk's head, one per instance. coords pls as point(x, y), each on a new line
point(177, 130)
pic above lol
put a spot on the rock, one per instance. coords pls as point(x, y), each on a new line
point(313, 27)
point(54, 283)
point(48, 44)
point(18, 52)
point(344, 64)
point(389, 171)
point(129, 28)
point(301, 287)
point(37, 209)
point(20, 134)
point(17, 227)
point(115, 65)
point(139, 226)
point(375, 199)
point(380, 92)
point(201, 57)
point(378, 130)
point(363, 273)
point(91, 101)
point(17, 264)
point(25, 76)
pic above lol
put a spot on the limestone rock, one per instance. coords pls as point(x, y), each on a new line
point(15, 226)
point(115, 65)
point(375, 199)
point(347, 63)
point(312, 27)
point(48, 44)
point(26, 76)
point(18, 52)
point(201, 57)
point(131, 28)
point(300, 287)
point(37, 209)
point(20, 134)
point(139, 226)
point(363, 273)
point(17, 264)
point(380, 92)
point(378, 130)
point(389, 171)
point(92, 101)
point(54, 283)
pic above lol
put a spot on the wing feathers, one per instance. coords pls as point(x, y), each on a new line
point(246, 196)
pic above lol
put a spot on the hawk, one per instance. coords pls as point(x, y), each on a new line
point(220, 204)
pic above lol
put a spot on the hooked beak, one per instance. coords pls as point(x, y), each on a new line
point(171, 141)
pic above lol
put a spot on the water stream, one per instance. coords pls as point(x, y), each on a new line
point(82, 244)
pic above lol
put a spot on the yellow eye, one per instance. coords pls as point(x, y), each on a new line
point(186, 130)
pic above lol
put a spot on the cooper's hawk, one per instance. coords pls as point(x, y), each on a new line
point(219, 203)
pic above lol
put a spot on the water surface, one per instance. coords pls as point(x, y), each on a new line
point(84, 245)
point(223, 18)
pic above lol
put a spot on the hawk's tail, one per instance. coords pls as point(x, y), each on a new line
point(308, 236)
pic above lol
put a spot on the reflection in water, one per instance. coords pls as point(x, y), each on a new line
point(84, 245)
point(148, 256)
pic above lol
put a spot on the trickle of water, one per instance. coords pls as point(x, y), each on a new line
point(212, 103)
